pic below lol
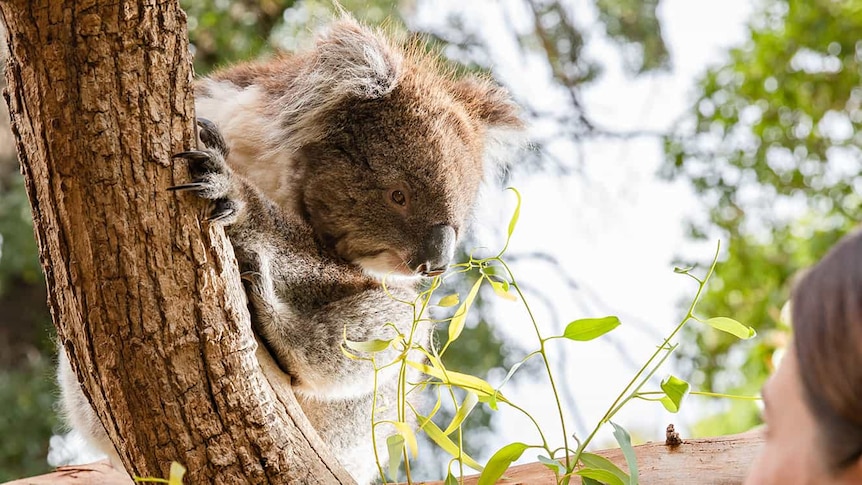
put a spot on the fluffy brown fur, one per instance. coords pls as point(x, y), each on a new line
point(357, 159)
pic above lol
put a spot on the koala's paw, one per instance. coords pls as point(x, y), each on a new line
point(212, 178)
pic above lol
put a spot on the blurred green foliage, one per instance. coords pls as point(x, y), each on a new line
point(19, 257)
point(28, 419)
point(773, 149)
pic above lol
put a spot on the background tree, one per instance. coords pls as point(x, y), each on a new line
point(774, 148)
point(766, 146)
point(157, 332)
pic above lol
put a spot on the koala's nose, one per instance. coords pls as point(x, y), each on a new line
point(437, 251)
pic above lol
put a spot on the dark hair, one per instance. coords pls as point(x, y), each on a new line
point(826, 312)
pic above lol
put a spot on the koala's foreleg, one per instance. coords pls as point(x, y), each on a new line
point(303, 322)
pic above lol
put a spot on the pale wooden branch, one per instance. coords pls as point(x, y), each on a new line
point(723, 460)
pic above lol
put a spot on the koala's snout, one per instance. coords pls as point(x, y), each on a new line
point(437, 251)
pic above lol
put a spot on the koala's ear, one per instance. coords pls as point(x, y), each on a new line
point(357, 61)
point(487, 102)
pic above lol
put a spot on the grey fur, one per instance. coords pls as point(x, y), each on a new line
point(317, 145)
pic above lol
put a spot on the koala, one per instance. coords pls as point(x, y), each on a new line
point(332, 170)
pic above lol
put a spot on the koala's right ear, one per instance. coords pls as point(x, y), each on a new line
point(488, 102)
point(357, 61)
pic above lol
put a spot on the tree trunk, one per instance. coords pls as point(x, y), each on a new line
point(148, 303)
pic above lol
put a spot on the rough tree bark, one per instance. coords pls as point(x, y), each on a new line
point(148, 303)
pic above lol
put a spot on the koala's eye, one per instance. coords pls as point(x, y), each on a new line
point(398, 197)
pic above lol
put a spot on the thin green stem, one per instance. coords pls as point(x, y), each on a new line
point(538, 428)
point(374, 424)
point(628, 392)
point(701, 393)
point(544, 358)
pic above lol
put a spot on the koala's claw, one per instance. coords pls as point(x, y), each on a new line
point(212, 179)
point(194, 186)
point(211, 136)
point(222, 210)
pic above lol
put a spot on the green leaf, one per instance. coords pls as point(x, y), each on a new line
point(597, 462)
point(409, 437)
point(175, 478)
point(675, 390)
point(463, 411)
point(554, 465)
point(685, 270)
point(456, 325)
point(510, 374)
point(448, 300)
point(457, 379)
point(450, 479)
point(501, 288)
point(590, 481)
point(176, 474)
point(602, 476)
point(394, 443)
point(500, 462)
point(370, 346)
point(443, 441)
point(514, 221)
point(732, 327)
point(589, 328)
point(625, 442)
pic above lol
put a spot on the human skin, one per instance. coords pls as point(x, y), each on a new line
point(793, 453)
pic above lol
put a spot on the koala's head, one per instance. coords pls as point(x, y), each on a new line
point(392, 176)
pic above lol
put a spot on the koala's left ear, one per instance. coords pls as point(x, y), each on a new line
point(487, 102)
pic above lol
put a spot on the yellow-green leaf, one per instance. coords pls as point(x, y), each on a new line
point(369, 346)
point(732, 327)
point(500, 462)
point(463, 411)
point(450, 479)
point(177, 473)
point(675, 390)
point(603, 476)
point(501, 288)
point(457, 379)
point(409, 437)
point(589, 328)
point(514, 221)
point(597, 462)
point(443, 441)
point(449, 300)
point(456, 325)
point(394, 443)
point(625, 441)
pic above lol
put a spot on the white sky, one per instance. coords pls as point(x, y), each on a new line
point(615, 228)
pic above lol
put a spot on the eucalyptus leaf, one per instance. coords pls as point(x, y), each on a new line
point(589, 328)
point(500, 462)
point(176, 474)
point(457, 379)
point(394, 443)
point(554, 465)
point(406, 432)
point(450, 479)
point(514, 221)
point(501, 288)
point(675, 390)
point(448, 300)
point(370, 346)
point(456, 325)
point(598, 462)
point(600, 475)
point(732, 327)
point(625, 442)
point(470, 401)
point(446, 444)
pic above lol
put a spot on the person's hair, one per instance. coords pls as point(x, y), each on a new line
point(826, 314)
